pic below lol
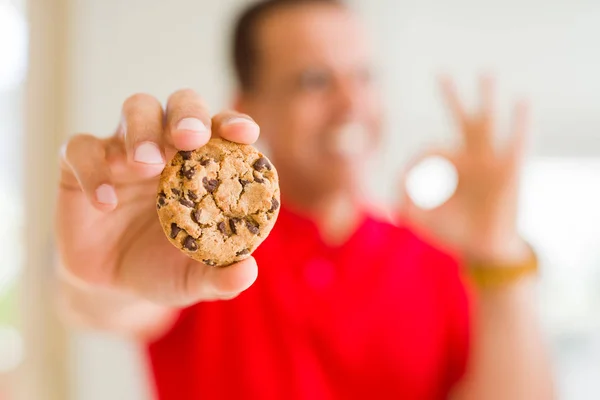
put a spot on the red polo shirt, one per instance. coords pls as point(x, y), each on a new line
point(385, 315)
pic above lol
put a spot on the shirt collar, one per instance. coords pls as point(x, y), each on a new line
point(298, 225)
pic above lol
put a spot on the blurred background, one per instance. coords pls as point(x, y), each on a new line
point(67, 65)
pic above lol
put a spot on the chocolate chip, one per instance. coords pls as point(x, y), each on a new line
point(190, 244)
point(186, 154)
point(252, 227)
point(232, 223)
point(222, 228)
point(176, 192)
point(192, 196)
point(242, 252)
point(259, 180)
point(188, 172)
point(244, 182)
point(196, 216)
point(210, 185)
point(205, 162)
point(174, 230)
point(161, 199)
point(210, 263)
point(274, 204)
point(261, 164)
point(186, 202)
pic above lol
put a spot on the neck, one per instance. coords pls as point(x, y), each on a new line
point(336, 213)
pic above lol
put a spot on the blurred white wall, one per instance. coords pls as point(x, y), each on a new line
point(545, 50)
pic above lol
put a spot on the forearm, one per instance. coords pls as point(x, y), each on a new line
point(108, 309)
point(508, 358)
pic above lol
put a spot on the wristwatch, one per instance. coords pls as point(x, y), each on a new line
point(489, 275)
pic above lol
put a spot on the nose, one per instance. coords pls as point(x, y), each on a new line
point(348, 98)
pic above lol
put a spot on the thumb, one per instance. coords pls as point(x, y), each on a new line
point(184, 284)
point(154, 269)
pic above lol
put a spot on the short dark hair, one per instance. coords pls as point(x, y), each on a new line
point(244, 47)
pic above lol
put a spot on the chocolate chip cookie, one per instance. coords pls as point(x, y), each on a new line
point(218, 203)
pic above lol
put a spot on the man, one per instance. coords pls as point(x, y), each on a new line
point(346, 306)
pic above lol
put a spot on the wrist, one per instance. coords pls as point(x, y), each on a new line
point(504, 251)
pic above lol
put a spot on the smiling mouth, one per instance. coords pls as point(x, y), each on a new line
point(348, 141)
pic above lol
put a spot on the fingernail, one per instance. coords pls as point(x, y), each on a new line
point(191, 124)
point(148, 153)
point(106, 194)
point(238, 120)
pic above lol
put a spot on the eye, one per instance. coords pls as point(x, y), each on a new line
point(314, 80)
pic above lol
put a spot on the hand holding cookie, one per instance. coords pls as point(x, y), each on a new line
point(108, 231)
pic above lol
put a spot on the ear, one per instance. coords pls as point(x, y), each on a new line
point(244, 103)
point(237, 103)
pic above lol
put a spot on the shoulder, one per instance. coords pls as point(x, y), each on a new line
point(408, 235)
point(410, 244)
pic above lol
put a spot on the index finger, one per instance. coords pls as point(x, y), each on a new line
point(187, 120)
point(450, 95)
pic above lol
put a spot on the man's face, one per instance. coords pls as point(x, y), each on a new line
point(314, 98)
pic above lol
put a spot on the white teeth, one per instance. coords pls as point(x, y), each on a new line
point(350, 140)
